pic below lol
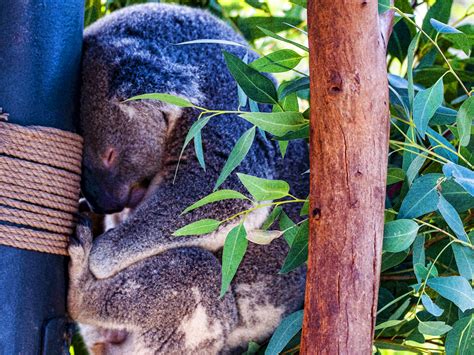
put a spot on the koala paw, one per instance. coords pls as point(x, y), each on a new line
point(80, 243)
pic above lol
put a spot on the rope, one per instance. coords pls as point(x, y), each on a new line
point(40, 171)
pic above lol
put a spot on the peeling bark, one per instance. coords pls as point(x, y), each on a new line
point(349, 146)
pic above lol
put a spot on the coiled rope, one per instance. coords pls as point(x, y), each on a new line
point(40, 171)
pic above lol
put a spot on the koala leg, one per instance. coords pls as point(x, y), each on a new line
point(166, 304)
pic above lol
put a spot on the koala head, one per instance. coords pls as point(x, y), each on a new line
point(124, 144)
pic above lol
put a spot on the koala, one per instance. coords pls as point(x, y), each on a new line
point(136, 288)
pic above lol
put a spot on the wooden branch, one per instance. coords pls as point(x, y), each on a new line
point(349, 146)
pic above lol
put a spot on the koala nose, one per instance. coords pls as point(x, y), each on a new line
point(109, 158)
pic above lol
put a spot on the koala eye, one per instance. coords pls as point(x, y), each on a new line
point(109, 157)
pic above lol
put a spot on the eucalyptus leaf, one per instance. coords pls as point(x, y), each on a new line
point(213, 41)
point(170, 99)
point(390, 260)
point(463, 176)
point(433, 328)
point(442, 145)
point(289, 228)
point(199, 150)
point(422, 197)
point(263, 237)
point(295, 86)
point(442, 27)
point(255, 85)
point(425, 105)
point(454, 288)
point(464, 120)
point(451, 217)
point(214, 197)
point(459, 340)
point(264, 189)
point(298, 253)
point(276, 123)
point(283, 39)
point(238, 153)
point(464, 257)
point(235, 246)
point(399, 235)
point(277, 62)
point(287, 329)
point(410, 59)
point(203, 226)
point(395, 175)
point(430, 306)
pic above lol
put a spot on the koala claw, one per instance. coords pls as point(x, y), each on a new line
point(82, 238)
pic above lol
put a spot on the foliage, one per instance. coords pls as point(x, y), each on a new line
point(426, 297)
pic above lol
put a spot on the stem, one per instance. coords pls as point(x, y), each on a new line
point(401, 13)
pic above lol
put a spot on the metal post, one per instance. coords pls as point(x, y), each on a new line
point(40, 45)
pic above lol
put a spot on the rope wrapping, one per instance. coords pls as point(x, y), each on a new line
point(40, 178)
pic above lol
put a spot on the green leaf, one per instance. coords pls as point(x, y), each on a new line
point(440, 10)
point(277, 62)
point(264, 189)
point(295, 86)
point(433, 328)
point(388, 324)
point(250, 25)
point(390, 260)
point(238, 153)
point(430, 306)
point(454, 288)
point(425, 105)
point(442, 146)
point(422, 197)
point(444, 116)
point(280, 38)
point(464, 257)
point(459, 340)
point(289, 228)
point(302, 3)
point(198, 149)
point(442, 27)
point(298, 253)
point(395, 175)
point(255, 85)
point(464, 120)
point(457, 196)
point(452, 218)
point(288, 328)
point(203, 226)
point(399, 235)
point(272, 217)
point(421, 271)
point(384, 5)
point(410, 58)
point(276, 123)
point(414, 168)
point(195, 128)
point(235, 247)
point(419, 253)
point(213, 41)
point(214, 197)
point(305, 208)
point(463, 176)
point(170, 99)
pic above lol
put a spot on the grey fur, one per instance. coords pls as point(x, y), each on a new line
point(133, 52)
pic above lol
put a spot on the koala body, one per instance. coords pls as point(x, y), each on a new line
point(136, 288)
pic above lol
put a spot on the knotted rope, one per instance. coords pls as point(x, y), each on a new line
point(40, 171)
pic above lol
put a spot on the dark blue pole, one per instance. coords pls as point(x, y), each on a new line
point(40, 45)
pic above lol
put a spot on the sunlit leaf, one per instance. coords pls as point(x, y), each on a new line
point(214, 197)
point(202, 226)
point(264, 189)
point(170, 99)
point(238, 153)
point(277, 62)
point(235, 246)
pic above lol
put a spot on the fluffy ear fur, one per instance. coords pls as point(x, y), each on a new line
point(163, 290)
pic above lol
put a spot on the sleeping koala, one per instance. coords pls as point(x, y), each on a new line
point(136, 289)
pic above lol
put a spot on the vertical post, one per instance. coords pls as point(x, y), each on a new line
point(40, 46)
point(349, 144)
